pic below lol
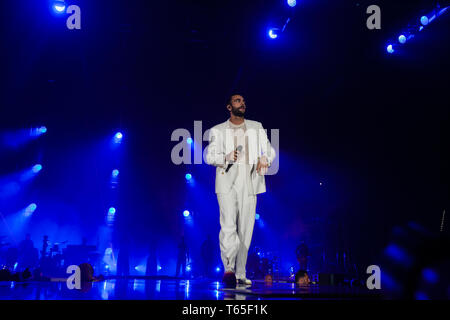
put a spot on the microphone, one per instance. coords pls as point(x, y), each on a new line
point(239, 149)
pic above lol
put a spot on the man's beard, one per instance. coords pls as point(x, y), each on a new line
point(236, 112)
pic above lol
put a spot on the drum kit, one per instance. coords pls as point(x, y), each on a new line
point(313, 258)
point(54, 256)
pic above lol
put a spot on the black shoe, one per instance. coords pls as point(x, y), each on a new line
point(229, 280)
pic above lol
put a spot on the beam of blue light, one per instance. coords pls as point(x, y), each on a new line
point(390, 49)
point(273, 33)
point(30, 173)
point(399, 255)
point(291, 3)
point(140, 268)
point(159, 268)
point(36, 132)
point(59, 6)
point(115, 173)
point(186, 213)
point(36, 168)
point(188, 176)
point(110, 217)
point(424, 20)
point(431, 18)
point(443, 10)
point(189, 140)
point(430, 276)
point(419, 295)
point(118, 137)
point(30, 209)
point(257, 216)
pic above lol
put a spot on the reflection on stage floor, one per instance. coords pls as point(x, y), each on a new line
point(175, 289)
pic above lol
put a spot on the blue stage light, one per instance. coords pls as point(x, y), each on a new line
point(424, 20)
point(140, 268)
point(390, 49)
point(218, 269)
point(112, 211)
point(188, 176)
point(30, 209)
point(402, 39)
point(159, 268)
point(36, 168)
point(430, 276)
point(273, 33)
point(59, 6)
point(189, 140)
point(115, 173)
point(399, 255)
point(257, 216)
point(36, 132)
point(186, 213)
point(188, 268)
point(118, 137)
point(291, 3)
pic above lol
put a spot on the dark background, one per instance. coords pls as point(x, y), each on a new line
point(370, 126)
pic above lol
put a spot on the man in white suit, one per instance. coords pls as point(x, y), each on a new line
point(241, 153)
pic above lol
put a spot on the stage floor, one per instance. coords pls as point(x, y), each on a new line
point(175, 289)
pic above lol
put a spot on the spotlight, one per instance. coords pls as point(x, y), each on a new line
point(189, 140)
point(118, 137)
point(140, 268)
point(424, 20)
point(115, 173)
point(291, 3)
point(36, 132)
point(159, 268)
point(257, 216)
point(402, 39)
point(273, 33)
point(390, 49)
point(188, 268)
point(218, 269)
point(36, 168)
point(186, 213)
point(112, 211)
point(430, 276)
point(188, 176)
point(30, 209)
point(59, 6)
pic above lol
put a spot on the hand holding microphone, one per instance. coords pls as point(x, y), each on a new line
point(232, 157)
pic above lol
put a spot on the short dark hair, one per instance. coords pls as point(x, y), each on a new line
point(231, 96)
point(300, 274)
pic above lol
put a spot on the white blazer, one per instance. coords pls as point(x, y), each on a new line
point(221, 143)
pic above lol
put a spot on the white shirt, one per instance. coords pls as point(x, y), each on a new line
point(242, 163)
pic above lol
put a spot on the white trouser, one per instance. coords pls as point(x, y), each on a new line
point(237, 219)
